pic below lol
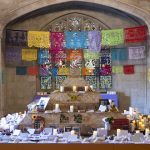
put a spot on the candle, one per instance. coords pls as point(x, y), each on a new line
point(54, 131)
point(86, 88)
point(137, 131)
point(131, 111)
point(61, 88)
point(118, 132)
point(94, 134)
point(91, 86)
point(72, 132)
point(74, 88)
point(147, 132)
point(71, 108)
point(56, 106)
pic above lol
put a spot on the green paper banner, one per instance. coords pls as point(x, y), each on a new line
point(117, 69)
point(91, 54)
point(112, 37)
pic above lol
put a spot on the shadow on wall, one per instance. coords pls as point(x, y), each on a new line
point(124, 101)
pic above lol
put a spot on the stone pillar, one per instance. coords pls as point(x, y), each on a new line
point(2, 82)
point(147, 102)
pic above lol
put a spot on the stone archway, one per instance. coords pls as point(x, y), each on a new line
point(25, 8)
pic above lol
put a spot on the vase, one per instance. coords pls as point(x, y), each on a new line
point(107, 125)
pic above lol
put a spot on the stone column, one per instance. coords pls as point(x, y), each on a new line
point(147, 103)
point(2, 82)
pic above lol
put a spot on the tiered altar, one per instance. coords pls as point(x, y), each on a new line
point(75, 105)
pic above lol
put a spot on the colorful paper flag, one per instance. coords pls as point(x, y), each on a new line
point(137, 52)
point(136, 34)
point(32, 70)
point(128, 69)
point(40, 39)
point(117, 69)
point(94, 41)
point(29, 54)
point(112, 37)
point(21, 70)
point(119, 54)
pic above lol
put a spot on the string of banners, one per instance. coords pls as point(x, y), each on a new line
point(82, 49)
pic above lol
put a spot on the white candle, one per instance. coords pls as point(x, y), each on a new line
point(131, 111)
point(61, 88)
point(147, 132)
point(54, 131)
point(94, 134)
point(137, 131)
point(86, 88)
point(72, 132)
point(118, 132)
point(71, 108)
point(91, 86)
point(56, 106)
point(74, 88)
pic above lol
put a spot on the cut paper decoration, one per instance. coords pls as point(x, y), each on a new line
point(21, 70)
point(96, 71)
point(60, 55)
point(45, 70)
point(128, 69)
point(148, 74)
point(74, 55)
point(105, 82)
point(105, 59)
point(60, 63)
point(76, 40)
point(57, 41)
point(119, 54)
point(59, 80)
point(112, 37)
point(136, 52)
point(16, 37)
point(94, 41)
point(32, 70)
point(117, 69)
point(46, 83)
point(13, 54)
point(54, 71)
point(44, 57)
point(76, 64)
point(105, 70)
point(40, 39)
point(29, 54)
point(136, 34)
point(87, 71)
point(91, 54)
point(91, 63)
point(92, 80)
point(63, 71)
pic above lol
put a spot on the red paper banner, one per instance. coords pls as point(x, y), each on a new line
point(32, 70)
point(74, 55)
point(128, 69)
point(135, 34)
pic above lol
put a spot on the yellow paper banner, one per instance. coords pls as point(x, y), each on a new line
point(117, 69)
point(63, 71)
point(29, 54)
point(39, 39)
